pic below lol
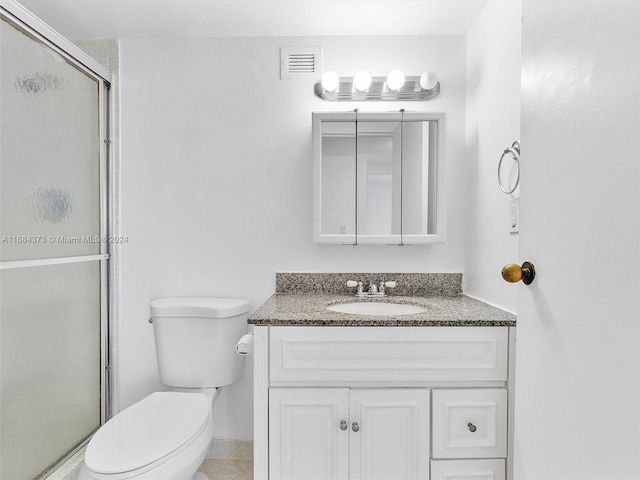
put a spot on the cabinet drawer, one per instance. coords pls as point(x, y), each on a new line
point(477, 469)
point(388, 354)
point(469, 423)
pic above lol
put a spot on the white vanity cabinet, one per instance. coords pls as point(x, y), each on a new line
point(382, 403)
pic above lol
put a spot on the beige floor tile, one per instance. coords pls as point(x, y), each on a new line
point(222, 469)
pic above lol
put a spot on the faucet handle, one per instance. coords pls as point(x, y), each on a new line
point(353, 283)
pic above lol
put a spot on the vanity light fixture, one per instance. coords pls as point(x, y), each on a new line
point(330, 81)
point(393, 87)
point(362, 81)
point(395, 80)
point(428, 80)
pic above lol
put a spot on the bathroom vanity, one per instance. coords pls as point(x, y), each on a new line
point(353, 396)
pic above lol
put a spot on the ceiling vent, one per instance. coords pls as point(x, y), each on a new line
point(300, 62)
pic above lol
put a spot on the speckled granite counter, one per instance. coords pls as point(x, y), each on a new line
point(442, 310)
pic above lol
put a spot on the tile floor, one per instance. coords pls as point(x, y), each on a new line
point(220, 469)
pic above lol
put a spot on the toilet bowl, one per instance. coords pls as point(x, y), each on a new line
point(166, 435)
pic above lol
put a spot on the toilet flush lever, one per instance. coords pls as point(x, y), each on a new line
point(245, 345)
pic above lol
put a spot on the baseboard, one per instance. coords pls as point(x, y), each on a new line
point(231, 449)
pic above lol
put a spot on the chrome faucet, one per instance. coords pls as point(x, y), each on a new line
point(378, 290)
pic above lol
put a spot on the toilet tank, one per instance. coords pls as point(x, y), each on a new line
point(196, 339)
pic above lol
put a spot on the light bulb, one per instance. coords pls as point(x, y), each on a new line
point(330, 82)
point(362, 81)
point(428, 80)
point(395, 80)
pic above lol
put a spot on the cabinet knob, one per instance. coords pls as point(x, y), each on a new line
point(343, 425)
point(472, 427)
point(514, 273)
point(355, 427)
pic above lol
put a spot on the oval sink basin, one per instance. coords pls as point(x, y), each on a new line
point(376, 308)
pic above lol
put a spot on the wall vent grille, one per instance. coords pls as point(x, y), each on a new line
point(300, 62)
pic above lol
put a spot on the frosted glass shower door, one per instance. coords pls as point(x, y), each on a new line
point(52, 252)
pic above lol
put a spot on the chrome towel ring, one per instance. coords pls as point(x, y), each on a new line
point(514, 151)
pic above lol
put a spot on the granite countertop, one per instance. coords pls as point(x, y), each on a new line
point(442, 310)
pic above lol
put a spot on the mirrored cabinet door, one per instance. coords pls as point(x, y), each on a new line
point(337, 189)
point(378, 178)
point(379, 182)
point(419, 179)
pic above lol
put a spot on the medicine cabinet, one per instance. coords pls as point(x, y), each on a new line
point(378, 178)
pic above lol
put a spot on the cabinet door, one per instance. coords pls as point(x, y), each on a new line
point(419, 180)
point(391, 437)
point(378, 182)
point(305, 437)
point(377, 178)
point(336, 189)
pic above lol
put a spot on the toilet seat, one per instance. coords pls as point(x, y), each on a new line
point(147, 433)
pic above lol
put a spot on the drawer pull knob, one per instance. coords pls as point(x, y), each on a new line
point(343, 425)
point(472, 427)
point(355, 427)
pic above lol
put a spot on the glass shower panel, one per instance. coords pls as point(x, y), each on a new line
point(50, 362)
point(49, 158)
point(52, 308)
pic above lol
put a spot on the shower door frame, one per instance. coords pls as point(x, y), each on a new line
point(34, 27)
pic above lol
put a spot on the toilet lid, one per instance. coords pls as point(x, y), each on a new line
point(147, 432)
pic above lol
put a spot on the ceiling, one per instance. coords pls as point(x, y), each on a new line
point(232, 18)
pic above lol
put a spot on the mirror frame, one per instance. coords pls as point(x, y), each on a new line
point(402, 239)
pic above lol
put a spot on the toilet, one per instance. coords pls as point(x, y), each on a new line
point(166, 435)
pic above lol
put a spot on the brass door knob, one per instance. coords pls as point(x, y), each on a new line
point(514, 273)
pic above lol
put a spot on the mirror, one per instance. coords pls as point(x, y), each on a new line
point(377, 178)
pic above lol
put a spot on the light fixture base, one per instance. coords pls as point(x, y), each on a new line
point(378, 91)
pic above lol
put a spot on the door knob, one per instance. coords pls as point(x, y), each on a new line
point(343, 425)
point(514, 273)
point(472, 428)
point(355, 427)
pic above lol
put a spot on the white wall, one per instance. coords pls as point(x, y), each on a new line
point(578, 355)
point(493, 123)
point(216, 178)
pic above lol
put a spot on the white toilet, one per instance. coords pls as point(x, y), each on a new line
point(166, 436)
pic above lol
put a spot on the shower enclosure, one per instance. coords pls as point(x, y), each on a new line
point(53, 246)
